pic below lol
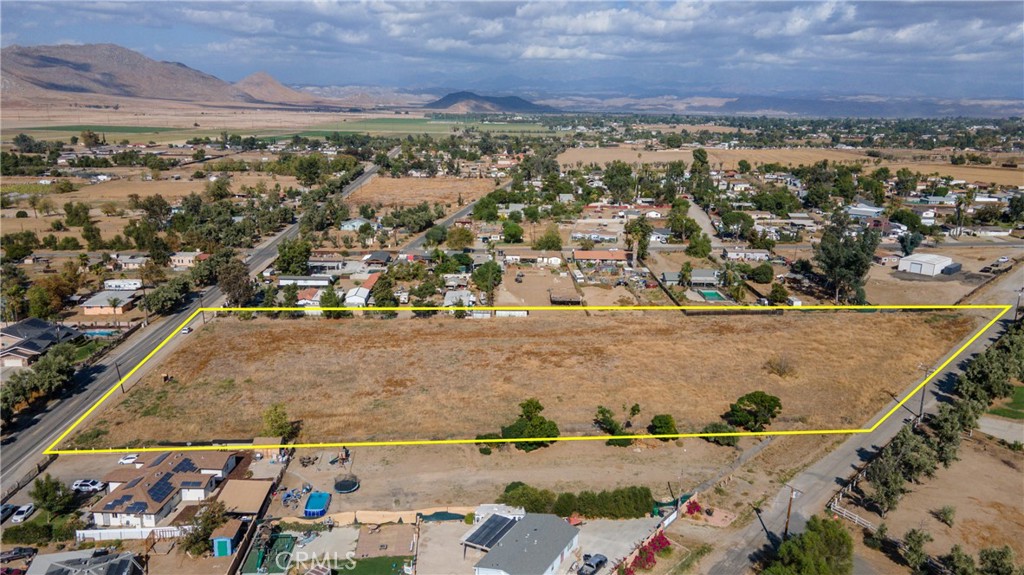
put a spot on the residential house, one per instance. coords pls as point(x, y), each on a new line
point(184, 260)
point(886, 258)
point(537, 544)
point(705, 278)
point(144, 494)
point(122, 285)
point(864, 211)
point(617, 257)
point(24, 342)
point(85, 562)
point(530, 256)
point(459, 298)
point(305, 281)
point(354, 224)
point(566, 198)
point(127, 262)
point(245, 497)
point(357, 297)
point(378, 258)
point(927, 214)
point(660, 235)
point(108, 302)
point(745, 254)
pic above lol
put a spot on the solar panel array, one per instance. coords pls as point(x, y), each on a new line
point(117, 502)
point(162, 489)
point(492, 530)
point(159, 459)
point(187, 484)
point(137, 507)
point(133, 482)
point(184, 466)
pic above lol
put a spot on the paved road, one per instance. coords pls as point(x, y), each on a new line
point(25, 445)
point(447, 222)
point(821, 480)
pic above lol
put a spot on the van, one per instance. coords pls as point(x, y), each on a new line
point(794, 301)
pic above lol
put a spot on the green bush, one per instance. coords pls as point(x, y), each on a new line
point(719, 427)
point(29, 533)
point(469, 518)
point(663, 424)
point(21, 214)
point(623, 503)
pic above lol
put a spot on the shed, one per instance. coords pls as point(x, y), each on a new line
point(244, 496)
point(225, 538)
point(924, 264)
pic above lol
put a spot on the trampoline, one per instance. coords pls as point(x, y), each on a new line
point(346, 484)
point(317, 504)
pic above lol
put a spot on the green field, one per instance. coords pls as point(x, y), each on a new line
point(373, 566)
point(420, 126)
point(1012, 409)
point(100, 128)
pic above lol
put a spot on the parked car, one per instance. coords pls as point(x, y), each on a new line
point(88, 486)
point(592, 564)
point(17, 553)
point(186, 330)
point(6, 510)
point(23, 513)
point(11, 571)
point(128, 459)
point(1002, 259)
point(986, 270)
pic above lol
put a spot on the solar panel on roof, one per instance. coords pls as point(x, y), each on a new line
point(137, 507)
point(185, 465)
point(492, 530)
point(117, 502)
point(133, 482)
point(191, 483)
point(160, 459)
point(161, 489)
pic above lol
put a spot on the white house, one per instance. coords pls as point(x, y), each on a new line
point(357, 297)
point(538, 544)
point(745, 254)
point(924, 264)
point(184, 259)
point(305, 281)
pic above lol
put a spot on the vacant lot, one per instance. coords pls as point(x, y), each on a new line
point(442, 378)
point(887, 286)
point(405, 192)
point(985, 489)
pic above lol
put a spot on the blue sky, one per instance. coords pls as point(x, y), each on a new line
point(972, 50)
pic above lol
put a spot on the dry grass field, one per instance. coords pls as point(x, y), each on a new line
point(405, 192)
point(441, 378)
point(729, 159)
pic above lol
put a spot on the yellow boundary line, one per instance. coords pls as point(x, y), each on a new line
point(52, 449)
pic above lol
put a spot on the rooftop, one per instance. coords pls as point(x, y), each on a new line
point(531, 546)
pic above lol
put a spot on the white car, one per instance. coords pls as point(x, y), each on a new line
point(1003, 260)
point(186, 330)
point(88, 486)
point(128, 459)
point(23, 513)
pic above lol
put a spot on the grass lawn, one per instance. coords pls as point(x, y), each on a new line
point(1014, 407)
point(87, 349)
point(374, 566)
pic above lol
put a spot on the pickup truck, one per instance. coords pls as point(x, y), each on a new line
point(17, 553)
point(592, 564)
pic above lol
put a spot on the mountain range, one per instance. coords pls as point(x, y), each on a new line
point(105, 73)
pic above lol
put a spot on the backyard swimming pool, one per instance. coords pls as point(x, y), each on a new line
point(712, 295)
point(317, 504)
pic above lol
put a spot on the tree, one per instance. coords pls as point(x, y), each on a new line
point(640, 230)
point(530, 424)
point(997, 561)
point(754, 411)
point(52, 495)
point(947, 427)
point(910, 241)
point(913, 550)
point(89, 139)
point(551, 240)
point(700, 246)
point(276, 422)
point(199, 155)
point(330, 298)
point(946, 515)
point(845, 259)
point(41, 303)
point(513, 232)
point(168, 297)
point(293, 257)
point(460, 238)
point(487, 278)
point(618, 178)
point(824, 548)
point(779, 294)
point(196, 541)
point(662, 424)
point(436, 235)
point(886, 477)
point(744, 166)
point(233, 279)
point(958, 562)
point(721, 427)
point(762, 274)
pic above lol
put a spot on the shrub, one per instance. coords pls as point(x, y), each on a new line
point(946, 515)
point(486, 450)
point(469, 518)
point(719, 427)
point(29, 533)
point(622, 503)
point(21, 214)
point(663, 424)
point(780, 365)
point(66, 531)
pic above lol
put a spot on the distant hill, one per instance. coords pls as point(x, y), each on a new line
point(470, 103)
point(264, 87)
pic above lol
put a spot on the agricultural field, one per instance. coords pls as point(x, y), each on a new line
point(729, 159)
point(405, 379)
point(406, 192)
point(419, 125)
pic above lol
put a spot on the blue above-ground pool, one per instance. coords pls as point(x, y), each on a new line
point(317, 504)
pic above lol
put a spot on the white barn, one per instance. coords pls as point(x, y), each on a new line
point(924, 264)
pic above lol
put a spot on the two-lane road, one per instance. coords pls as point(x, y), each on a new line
point(26, 444)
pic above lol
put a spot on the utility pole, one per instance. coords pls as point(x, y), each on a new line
point(927, 373)
point(117, 368)
point(793, 494)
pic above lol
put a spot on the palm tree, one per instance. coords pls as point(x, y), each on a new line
point(114, 302)
point(963, 203)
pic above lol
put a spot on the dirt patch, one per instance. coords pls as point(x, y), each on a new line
point(405, 192)
point(885, 285)
point(389, 380)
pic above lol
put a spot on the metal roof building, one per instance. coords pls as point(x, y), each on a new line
point(537, 544)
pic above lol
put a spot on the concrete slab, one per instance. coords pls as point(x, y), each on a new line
point(439, 550)
point(615, 539)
